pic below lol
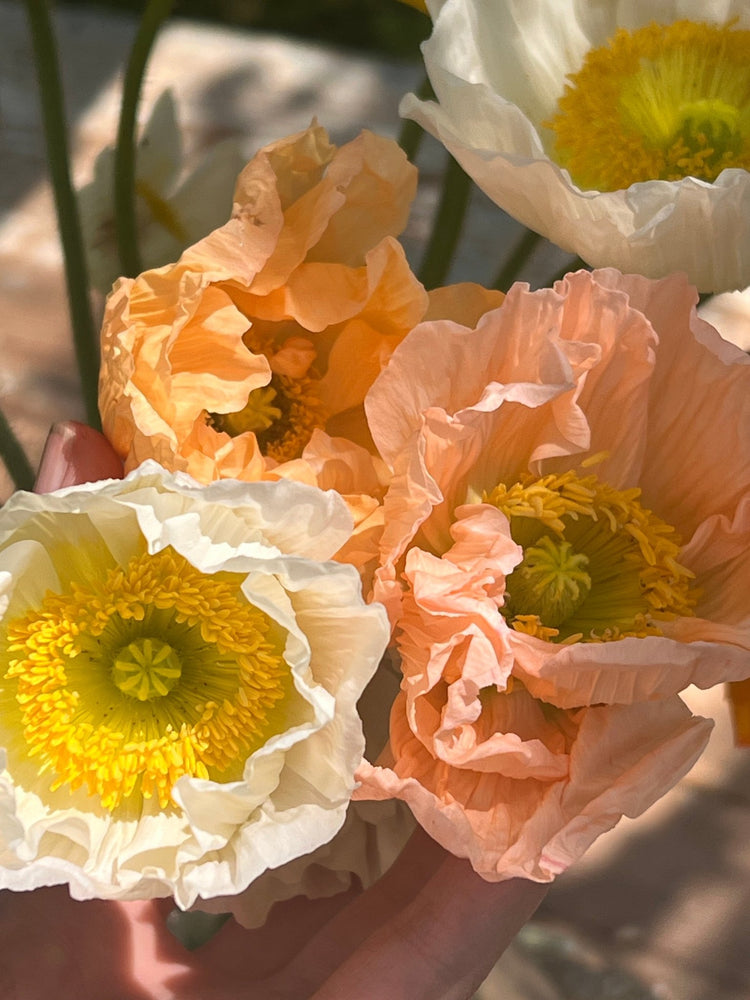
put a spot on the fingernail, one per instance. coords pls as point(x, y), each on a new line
point(76, 453)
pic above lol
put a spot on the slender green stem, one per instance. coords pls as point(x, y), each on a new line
point(575, 264)
point(76, 275)
point(446, 229)
point(14, 457)
point(512, 267)
point(195, 928)
point(411, 134)
point(154, 15)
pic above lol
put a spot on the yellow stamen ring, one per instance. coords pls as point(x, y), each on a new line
point(155, 672)
point(597, 564)
point(660, 103)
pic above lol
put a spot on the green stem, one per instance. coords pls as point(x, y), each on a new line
point(124, 164)
point(447, 226)
point(411, 134)
point(195, 928)
point(76, 274)
point(14, 457)
point(522, 251)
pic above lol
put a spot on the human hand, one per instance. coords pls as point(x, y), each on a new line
point(430, 929)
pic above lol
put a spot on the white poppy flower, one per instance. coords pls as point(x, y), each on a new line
point(179, 673)
point(173, 209)
point(679, 92)
point(730, 314)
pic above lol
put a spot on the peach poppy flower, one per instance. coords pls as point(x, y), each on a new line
point(223, 364)
point(565, 550)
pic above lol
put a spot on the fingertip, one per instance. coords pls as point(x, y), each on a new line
point(75, 453)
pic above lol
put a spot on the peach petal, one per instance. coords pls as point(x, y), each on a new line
point(693, 364)
point(506, 733)
point(306, 259)
point(629, 670)
point(451, 626)
point(371, 171)
point(618, 381)
point(717, 554)
point(464, 303)
point(520, 770)
point(294, 359)
point(360, 478)
point(622, 760)
point(394, 302)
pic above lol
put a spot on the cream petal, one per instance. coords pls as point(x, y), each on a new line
point(368, 843)
point(295, 789)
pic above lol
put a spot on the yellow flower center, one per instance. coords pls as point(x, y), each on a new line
point(660, 103)
point(596, 566)
point(153, 672)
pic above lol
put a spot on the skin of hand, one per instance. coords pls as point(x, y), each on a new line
point(430, 929)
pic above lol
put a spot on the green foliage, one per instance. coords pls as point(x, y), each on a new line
point(383, 26)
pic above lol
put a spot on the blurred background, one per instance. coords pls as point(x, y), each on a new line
point(659, 908)
point(379, 26)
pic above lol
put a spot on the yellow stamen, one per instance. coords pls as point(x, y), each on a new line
point(153, 672)
point(282, 415)
point(597, 565)
point(660, 103)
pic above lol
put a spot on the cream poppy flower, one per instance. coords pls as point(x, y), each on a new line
point(565, 549)
point(179, 673)
point(640, 161)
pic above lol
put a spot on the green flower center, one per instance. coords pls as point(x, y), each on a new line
point(146, 668)
point(282, 415)
point(551, 581)
point(597, 565)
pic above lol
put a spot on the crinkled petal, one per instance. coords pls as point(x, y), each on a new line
point(498, 71)
point(293, 793)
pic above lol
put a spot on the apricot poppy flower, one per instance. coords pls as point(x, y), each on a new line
point(565, 549)
point(223, 364)
point(531, 99)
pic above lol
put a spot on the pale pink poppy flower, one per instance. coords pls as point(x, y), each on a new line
point(565, 550)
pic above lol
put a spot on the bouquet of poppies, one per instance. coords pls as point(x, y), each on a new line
point(359, 554)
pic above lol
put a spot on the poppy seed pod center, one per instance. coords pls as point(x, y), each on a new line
point(551, 581)
point(282, 415)
point(146, 668)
